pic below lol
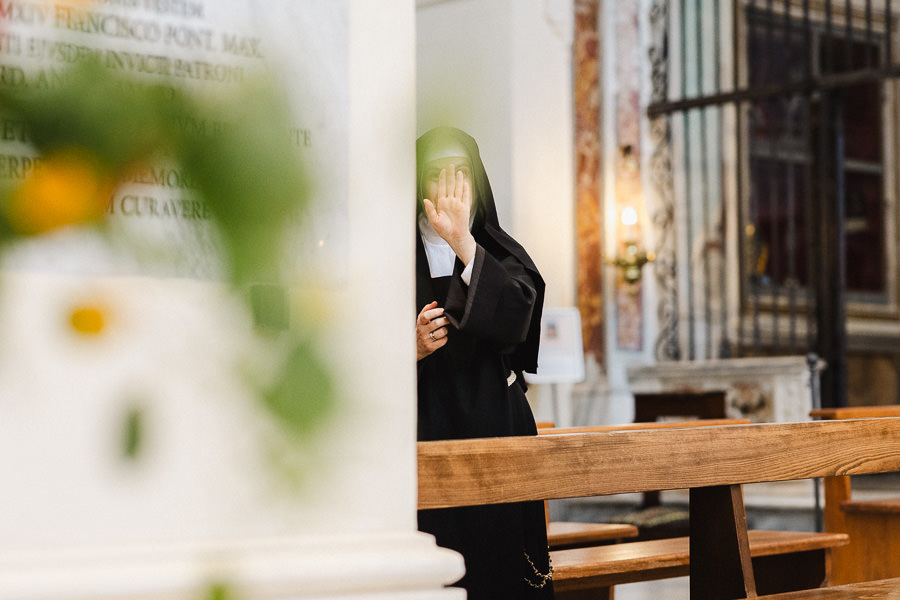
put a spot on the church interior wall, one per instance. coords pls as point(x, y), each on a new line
point(501, 70)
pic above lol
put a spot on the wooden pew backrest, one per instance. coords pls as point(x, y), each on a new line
point(488, 471)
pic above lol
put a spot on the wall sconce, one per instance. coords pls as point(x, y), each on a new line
point(633, 258)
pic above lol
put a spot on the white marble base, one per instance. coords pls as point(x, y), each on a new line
point(358, 567)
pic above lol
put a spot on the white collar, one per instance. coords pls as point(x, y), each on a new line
point(441, 256)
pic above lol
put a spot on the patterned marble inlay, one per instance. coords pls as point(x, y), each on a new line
point(628, 296)
point(663, 214)
point(589, 217)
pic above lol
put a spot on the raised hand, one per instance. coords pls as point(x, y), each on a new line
point(449, 212)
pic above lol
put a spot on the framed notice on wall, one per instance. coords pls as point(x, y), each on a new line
point(561, 357)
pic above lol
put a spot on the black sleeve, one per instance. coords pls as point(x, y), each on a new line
point(498, 302)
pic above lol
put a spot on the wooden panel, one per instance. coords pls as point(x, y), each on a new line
point(485, 471)
point(874, 548)
point(885, 589)
point(632, 562)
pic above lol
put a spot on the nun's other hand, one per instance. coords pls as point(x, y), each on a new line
point(431, 330)
point(449, 213)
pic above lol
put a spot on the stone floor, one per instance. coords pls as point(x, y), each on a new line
point(665, 589)
point(787, 505)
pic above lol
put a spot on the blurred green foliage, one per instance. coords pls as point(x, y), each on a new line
point(133, 433)
point(303, 378)
point(219, 591)
point(236, 152)
point(243, 166)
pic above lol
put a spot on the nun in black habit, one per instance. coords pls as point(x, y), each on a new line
point(480, 298)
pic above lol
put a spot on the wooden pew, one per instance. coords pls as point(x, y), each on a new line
point(873, 526)
point(798, 557)
point(576, 534)
point(712, 462)
point(595, 571)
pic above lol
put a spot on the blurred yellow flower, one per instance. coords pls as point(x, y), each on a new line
point(68, 188)
point(87, 320)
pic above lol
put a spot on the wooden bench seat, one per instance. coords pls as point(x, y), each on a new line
point(883, 589)
point(711, 462)
point(573, 534)
point(589, 572)
point(883, 506)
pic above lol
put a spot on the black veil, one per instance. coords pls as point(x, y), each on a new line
point(486, 229)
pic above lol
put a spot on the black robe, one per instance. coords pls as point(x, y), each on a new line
point(464, 391)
